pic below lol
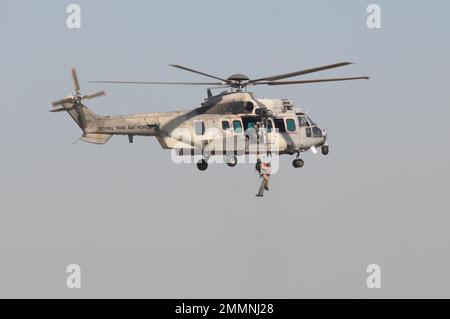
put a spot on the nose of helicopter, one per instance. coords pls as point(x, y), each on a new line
point(325, 147)
point(323, 138)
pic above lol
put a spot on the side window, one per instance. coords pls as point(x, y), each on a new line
point(317, 132)
point(237, 126)
point(290, 123)
point(225, 125)
point(199, 127)
point(279, 124)
point(269, 126)
point(308, 132)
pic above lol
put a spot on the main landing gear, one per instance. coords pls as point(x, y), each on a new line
point(232, 161)
point(325, 149)
point(298, 162)
point(202, 164)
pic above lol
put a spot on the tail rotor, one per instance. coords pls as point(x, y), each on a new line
point(75, 99)
point(84, 117)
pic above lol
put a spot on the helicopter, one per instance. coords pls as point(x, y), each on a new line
point(231, 123)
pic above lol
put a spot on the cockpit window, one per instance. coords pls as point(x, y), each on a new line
point(302, 122)
point(311, 121)
point(317, 132)
point(308, 132)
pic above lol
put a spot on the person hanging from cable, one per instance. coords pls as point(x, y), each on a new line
point(264, 168)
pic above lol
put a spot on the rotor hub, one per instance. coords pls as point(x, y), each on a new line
point(238, 77)
point(238, 81)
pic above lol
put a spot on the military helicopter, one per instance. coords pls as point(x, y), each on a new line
point(231, 123)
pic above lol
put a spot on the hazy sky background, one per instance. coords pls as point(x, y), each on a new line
point(141, 226)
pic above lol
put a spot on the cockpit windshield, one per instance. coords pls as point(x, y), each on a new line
point(311, 121)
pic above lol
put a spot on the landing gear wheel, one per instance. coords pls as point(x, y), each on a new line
point(325, 149)
point(232, 161)
point(298, 162)
point(202, 165)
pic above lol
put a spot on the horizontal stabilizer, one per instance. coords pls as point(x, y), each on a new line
point(61, 109)
point(95, 138)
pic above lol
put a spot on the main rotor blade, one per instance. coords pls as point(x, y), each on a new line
point(164, 83)
point(63, 101)
point(302, 72)
point(198, 72)
point(75, 80)
point(313, 81)
point(92, 95)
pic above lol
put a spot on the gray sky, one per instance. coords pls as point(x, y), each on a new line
point(141, 226)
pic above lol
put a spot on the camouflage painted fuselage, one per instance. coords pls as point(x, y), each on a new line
point(231, 116)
